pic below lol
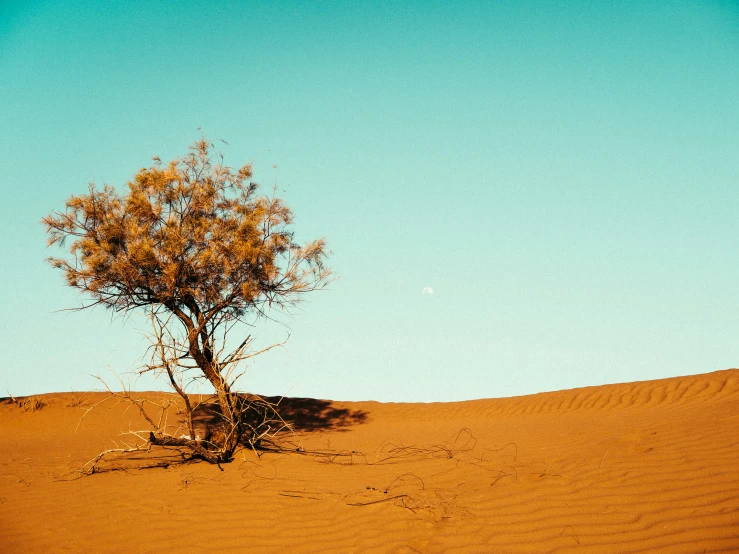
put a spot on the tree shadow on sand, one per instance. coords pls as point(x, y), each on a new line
point(302, 414)
point(309, 414)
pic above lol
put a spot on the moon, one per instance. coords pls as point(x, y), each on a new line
point(428, 291)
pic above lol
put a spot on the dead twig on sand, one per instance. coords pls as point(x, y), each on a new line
point(462, 441)
point(388, 499)
point(574, 534)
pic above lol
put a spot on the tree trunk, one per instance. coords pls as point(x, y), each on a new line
point(232, 426)
point(203, 357)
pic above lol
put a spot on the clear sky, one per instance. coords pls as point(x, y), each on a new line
point(563, 175)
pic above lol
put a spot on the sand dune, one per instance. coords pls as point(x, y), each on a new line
point(639, 467)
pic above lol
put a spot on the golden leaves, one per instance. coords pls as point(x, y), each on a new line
point(192, 228)
point(245, 172)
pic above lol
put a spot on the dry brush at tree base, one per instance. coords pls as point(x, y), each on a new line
point(194, 245)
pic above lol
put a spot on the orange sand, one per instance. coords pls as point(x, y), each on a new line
point(639, 467)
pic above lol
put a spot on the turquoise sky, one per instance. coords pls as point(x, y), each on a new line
point(562, 174)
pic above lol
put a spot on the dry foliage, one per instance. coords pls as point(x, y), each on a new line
point(28, 403)
point(76, 401)
point(195, 245)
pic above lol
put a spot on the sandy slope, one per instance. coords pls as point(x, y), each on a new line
point(638, 467)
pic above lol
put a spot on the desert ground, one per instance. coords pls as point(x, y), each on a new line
point(639, 467)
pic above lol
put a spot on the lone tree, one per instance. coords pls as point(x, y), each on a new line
point(195, 245)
